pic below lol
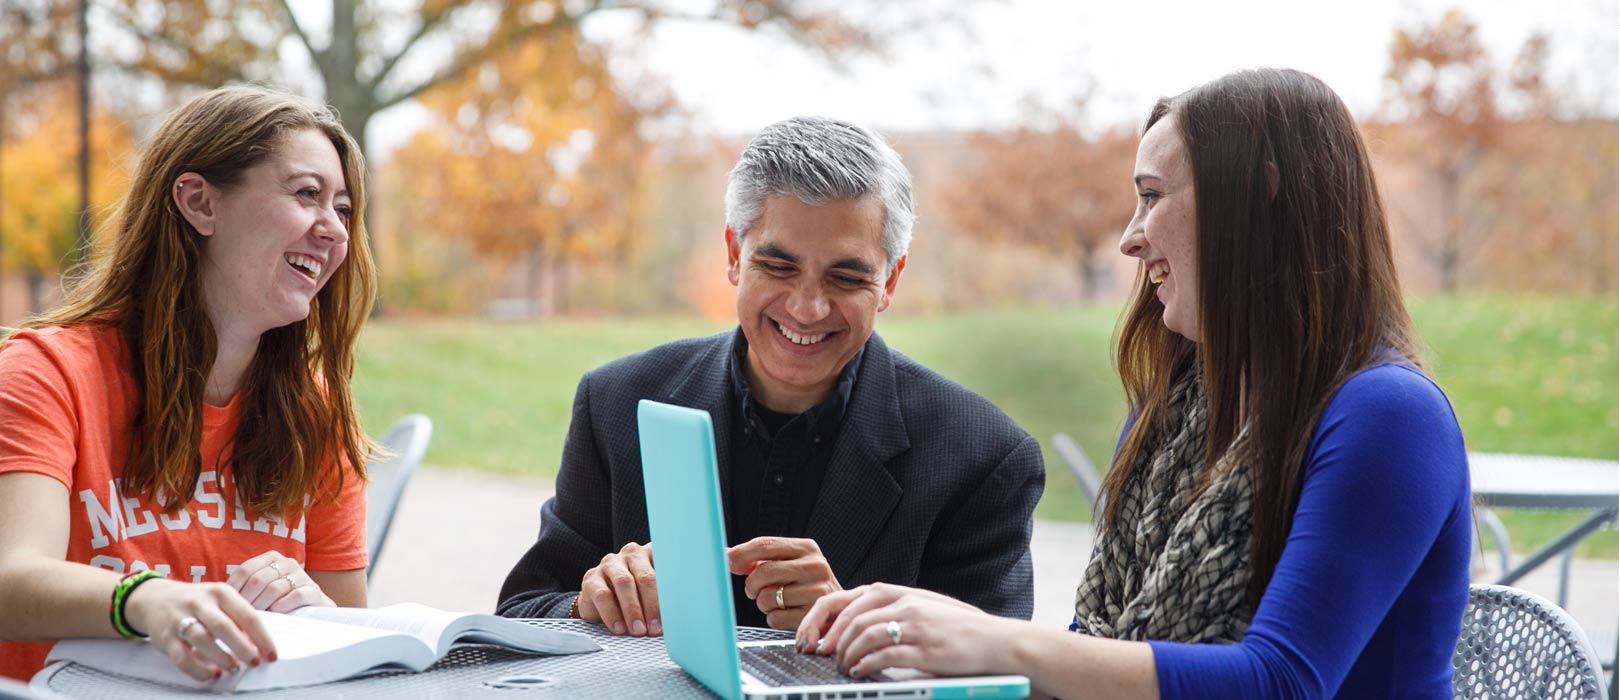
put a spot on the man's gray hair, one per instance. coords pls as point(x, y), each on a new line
point(817, 160)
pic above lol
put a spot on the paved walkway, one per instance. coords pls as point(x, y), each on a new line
point(457, 534)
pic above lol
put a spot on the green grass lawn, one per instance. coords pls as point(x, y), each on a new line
point(1526, 374)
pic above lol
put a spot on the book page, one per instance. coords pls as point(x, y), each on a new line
point(441, 630)
point(490, 629)
point(299, 636)
point(419, 621)
point(309, 652)
point(312, 651)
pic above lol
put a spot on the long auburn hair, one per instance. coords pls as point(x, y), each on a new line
point(145, 277)
point(1297, 290)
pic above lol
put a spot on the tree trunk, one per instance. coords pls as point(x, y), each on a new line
point(354, 101)
point(36, 292)
point(531, 281)
point(81, 244)
point(339, 64)
point(1094, 274)
point(1449, 258)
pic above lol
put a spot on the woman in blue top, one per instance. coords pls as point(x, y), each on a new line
point(1287, 515)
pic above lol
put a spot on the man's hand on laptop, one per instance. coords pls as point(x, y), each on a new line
point(785, 577)
point(622, 592)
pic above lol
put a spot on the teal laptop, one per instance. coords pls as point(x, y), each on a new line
point(680, 472)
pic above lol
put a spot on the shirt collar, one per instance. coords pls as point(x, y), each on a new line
point(821, 420)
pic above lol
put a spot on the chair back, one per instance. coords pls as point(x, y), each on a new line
point(1516, 644)
point(1084, 474)
point(406, 441)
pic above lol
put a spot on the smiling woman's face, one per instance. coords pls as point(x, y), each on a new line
point(277, 236)
point(1164, 231)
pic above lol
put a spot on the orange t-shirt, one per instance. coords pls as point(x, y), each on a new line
point(66, 402)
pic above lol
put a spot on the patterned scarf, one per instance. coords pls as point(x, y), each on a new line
point(1172, 568)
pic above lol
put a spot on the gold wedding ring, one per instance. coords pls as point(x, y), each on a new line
point(780, 603)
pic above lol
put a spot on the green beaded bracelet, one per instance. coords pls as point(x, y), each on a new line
point(120, 595)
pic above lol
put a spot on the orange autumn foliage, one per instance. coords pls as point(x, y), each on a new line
point(39, 181)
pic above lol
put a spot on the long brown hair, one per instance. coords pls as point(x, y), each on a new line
point(145, 276)
point(1297, 287)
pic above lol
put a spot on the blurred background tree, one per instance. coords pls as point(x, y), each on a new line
point(39, 194)
point(551, 173)
point(554, 168)
point(515, 85)
point(375, 55)
point(1052, 188)
point(538, 159)
point(1493, 167)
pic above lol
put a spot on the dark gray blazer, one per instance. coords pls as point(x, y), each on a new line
point(930, 485)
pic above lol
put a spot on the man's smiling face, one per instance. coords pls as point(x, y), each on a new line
point(811, 279)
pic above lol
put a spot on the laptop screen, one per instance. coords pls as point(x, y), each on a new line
point(678, 470)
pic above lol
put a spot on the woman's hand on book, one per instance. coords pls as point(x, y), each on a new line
point(276, 583)
point(189, 622)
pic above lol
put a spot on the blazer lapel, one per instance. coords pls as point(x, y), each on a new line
point(708, 387)
point(858, 493)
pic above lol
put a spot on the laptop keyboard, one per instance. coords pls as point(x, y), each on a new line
point(781, 665)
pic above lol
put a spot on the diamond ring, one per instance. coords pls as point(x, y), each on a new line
point(893, 628)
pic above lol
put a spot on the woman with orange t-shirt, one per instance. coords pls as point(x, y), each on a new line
point(178, 442)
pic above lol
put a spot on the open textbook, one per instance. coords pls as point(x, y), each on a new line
point(319, 645)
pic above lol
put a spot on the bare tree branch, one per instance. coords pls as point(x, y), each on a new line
point(455, 70)
point(194, 58)
point(497, 43)
point(298, 29)
point(429, 22)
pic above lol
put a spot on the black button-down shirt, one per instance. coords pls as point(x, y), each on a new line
point(778, 461)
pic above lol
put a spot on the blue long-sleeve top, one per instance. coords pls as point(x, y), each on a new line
point(1367, 598)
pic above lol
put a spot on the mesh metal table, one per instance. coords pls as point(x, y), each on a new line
point(1534, 481)
point(627, 667)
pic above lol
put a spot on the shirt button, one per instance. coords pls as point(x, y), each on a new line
point(777, 479)
point(816, 439)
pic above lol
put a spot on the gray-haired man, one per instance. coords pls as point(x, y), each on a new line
point(842, 462)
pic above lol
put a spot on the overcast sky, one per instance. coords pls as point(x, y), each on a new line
point(1048, 51)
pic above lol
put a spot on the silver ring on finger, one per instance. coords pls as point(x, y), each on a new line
point(184, 625)
point(780, 600)
point(276, 567)
point(893, 628)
